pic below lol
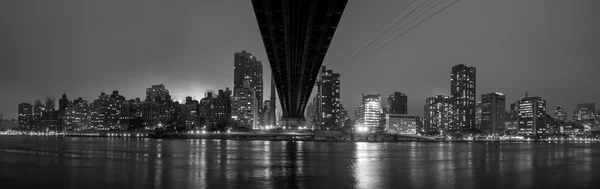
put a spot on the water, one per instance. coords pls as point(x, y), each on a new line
point(69, 162)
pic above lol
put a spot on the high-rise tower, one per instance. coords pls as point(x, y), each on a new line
point(462, 89)
point(248, 68)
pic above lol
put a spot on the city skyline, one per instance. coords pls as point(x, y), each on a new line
point(189, 69)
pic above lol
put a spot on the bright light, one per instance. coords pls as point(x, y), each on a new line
point(362, 129)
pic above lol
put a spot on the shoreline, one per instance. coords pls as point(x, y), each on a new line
point(209, 137)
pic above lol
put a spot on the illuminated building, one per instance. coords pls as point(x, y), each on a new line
point(344, 117)
point(222, 105)
point(439, 114)
point(462, 90)
point(401, 124)
point(25, 117)
point(397, 103)
point(478, 115)
point(493, 112)
point(560, 114)
point(531, 119)
point(214, 107)
point(158, 93)
point(584, 113)
point(38, 110)
point(190, 110)
point(205, 107)
point(368, 112)
point(245, 107)
point(330, 99)
point(77, 114)
point(248, 68)
point(99, 111)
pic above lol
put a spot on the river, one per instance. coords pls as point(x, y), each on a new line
point(73, 162)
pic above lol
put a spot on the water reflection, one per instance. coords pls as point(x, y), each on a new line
point(146, 163)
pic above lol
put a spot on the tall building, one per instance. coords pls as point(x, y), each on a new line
point(222, 105)
point(158, 93)
point(462, 89)
point(584, 112)
point(532, 116)
point(99, 111)
point(62, 105)
point(560, 114)
point(206, 106)
point(191, 115)
point(38, 112)
point(439, 114)
point(245, 107)
point(370, 112)
point(514, 110)
point(344, 117)
point(25, 117)
point(397, 103)
point(493, 112)
point(478, 115)
point(330, 99)
point(50, 102)
point(248, 68)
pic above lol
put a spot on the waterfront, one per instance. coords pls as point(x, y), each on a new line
point(74, 162)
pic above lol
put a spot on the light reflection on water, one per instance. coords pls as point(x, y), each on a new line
point(146, 163)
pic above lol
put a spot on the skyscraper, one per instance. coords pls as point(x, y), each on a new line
point(25, 117)
point(439, 113)
point(560, 114)
point(478, 115)
point(462, 89)
point(397, 103)
point(493, 112)
point(50, 102)
point(248, 68)
point(584, 112)
point(330, 98)
point(62, 105)
point(532, 116)
point(369, 112)
point(245, 107)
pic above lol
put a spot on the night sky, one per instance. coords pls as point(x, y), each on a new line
point(549, 48)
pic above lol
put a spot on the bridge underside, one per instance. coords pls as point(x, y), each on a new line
point(296, 35)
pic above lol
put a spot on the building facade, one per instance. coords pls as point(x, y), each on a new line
point(462, 90)
point(368, 112)
point(330, 99)
point(532, 116)
point(398, 103)
point(401, 124)
point(584, 112)
point(245, 107)
point(248, 68)
point(439, 114)
point(493, 112)
point(560, 114)
point(26, 116)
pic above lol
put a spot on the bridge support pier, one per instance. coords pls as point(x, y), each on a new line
point(292, 123)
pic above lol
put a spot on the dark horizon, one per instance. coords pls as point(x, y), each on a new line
point(83, 49)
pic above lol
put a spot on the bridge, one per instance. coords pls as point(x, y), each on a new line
point(296, 35)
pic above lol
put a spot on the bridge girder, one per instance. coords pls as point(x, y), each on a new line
point(296, 35)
